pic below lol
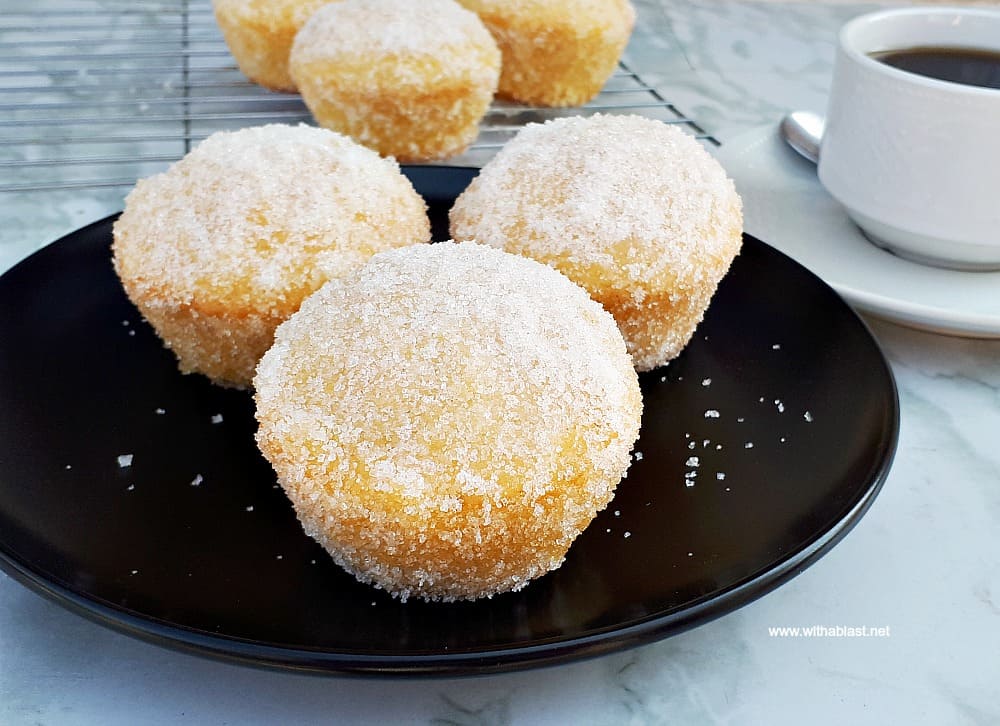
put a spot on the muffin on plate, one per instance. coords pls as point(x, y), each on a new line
point(225, 244)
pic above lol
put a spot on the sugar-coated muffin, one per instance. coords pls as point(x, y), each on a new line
point(632, 209)
point(259, 34)
point(411, 80)
point(447, 419)
point(556, 52)
point(225, 244)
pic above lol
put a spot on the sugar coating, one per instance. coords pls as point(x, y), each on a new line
point(386, 27)
point(556, 52)
point(259, 34)
point(631, 209)
point(225, 244)
point(411, 80)
point(447, 419)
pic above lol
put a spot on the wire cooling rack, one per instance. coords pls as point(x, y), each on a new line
point(99, 93)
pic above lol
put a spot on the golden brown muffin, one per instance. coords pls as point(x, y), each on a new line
point(556, 52)
point(633, 210)
point(409, 79)
point(448, 419)
point(225, 244)
point(259, 34)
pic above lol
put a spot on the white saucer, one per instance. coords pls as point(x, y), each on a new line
point(785, 206)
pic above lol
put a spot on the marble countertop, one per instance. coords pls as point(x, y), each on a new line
point(923, 562)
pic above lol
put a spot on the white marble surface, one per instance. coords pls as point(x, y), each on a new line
point(924, 561)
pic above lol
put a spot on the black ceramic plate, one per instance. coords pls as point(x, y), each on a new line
point(761, 446)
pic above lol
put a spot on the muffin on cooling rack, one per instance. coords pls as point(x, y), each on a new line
point(259, 34)
point(556, 52)
point(223, 246)
point(409, 79)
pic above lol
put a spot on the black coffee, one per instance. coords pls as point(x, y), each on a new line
point(970, 66)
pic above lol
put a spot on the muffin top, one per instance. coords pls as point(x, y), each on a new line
point(258, 218)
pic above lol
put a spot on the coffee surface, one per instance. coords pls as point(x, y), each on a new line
point(968, 66)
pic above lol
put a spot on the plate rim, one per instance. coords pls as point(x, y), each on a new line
point(551, 652)
point(548, 652)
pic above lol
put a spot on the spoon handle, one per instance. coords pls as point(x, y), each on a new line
point(803, 131)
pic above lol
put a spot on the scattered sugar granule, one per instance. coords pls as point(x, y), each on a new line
point(135, 572)
point(618, 512)
point(68, 467)
point(706, 382)
point(740, 420)
point(312, 562)
point(130, 488)
point(638, 456)
point(718, 447)
point(627, 535)
point(776, 346)
point(250, 508)
point(692, 461)
point(705, 443)
point(711, 413)
point(779, 405)
point(126, 323)
point(217, 418)
point(160, 411)
point(687, 436)
point(198, 479)
point(748, 445)
point(125, 460)
point(782, 439)
point(663, 379)
point(281, 557)
point(608, 530)
point(761, 399)
point(131, 333)
point(692, 445)
point(728, 489)
point(720, 475)
point(680, 378)
point(690, 554)
point(808, 417)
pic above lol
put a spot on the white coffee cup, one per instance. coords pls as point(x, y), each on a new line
point(914, 160)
